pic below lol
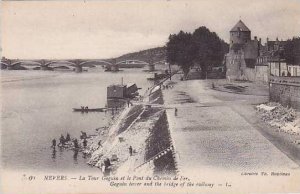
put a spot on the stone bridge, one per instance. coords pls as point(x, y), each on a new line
point(75, 64)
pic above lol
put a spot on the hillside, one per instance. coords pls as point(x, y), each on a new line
point(156, 54)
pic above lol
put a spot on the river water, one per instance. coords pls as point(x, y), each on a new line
point(37, 107)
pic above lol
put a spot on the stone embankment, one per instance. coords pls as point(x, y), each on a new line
point(143, 127)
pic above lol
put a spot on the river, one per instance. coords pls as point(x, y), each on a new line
point(37, 107)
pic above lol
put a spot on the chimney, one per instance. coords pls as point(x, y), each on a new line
point(267, 39)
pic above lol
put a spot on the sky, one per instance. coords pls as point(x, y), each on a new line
point(105, 29)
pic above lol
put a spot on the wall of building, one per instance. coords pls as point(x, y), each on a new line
point(274, 68)
point(249, 74)
point(257, 74)
point(234, 64)
point(251, 49)
point(294, 70)
point(285, 90)
point(262, 73)
point(240, 37)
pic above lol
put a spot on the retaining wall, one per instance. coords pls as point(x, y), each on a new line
point(257, 74)
point(285, 90)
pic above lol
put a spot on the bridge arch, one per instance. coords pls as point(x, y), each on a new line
point(97, 61)
point(26, 62)
point(63, 62)
point(3, 65)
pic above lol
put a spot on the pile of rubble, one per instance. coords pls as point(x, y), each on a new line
point(286, 119)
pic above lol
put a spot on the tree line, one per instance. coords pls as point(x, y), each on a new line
point(291, 51)
point(201, 48)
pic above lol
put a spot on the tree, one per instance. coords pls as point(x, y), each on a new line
point(210, 49)
point(202, 48)
point(291, 50)
point(181, 51)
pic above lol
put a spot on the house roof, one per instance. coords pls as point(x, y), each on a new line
point(240, 26)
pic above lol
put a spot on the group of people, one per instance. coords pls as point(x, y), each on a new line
point(166, 86)
point(64, 140)
point(84, 108)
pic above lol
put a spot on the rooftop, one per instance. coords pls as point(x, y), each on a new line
point(240, 26)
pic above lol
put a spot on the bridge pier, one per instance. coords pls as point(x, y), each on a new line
point(44, 68)
point(78, 69)
point(115, 67)
point(3, 66)
point(107, 68)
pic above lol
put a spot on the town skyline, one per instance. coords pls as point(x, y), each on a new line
point(85, 29)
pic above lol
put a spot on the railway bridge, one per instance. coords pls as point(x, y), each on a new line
point(74, 64)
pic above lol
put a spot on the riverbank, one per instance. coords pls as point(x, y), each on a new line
point(143, 127)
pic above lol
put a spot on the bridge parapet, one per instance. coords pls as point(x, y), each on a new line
point(45, 64)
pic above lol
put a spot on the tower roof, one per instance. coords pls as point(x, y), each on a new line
point(240, 26)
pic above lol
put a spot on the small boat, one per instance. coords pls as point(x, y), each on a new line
point(88, 109)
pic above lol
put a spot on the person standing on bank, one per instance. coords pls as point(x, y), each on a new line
point(68, 138)
point(130, 150)
point(84, 143)
point(62, 140)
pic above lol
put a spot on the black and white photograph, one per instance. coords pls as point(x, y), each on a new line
point(162, 96)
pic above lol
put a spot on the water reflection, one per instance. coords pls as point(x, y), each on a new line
point(60, 151)
point(75, 156)
point(54, 154)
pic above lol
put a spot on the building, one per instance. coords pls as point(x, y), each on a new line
point(243, 52)
point(278, 65)
point(249, 60)
point(119, 94)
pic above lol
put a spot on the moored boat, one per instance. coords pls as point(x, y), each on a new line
point(88, 109)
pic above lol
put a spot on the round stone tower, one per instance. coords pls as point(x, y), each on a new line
point(240, 34)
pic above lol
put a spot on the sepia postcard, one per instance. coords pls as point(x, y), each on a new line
point(162, 96)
